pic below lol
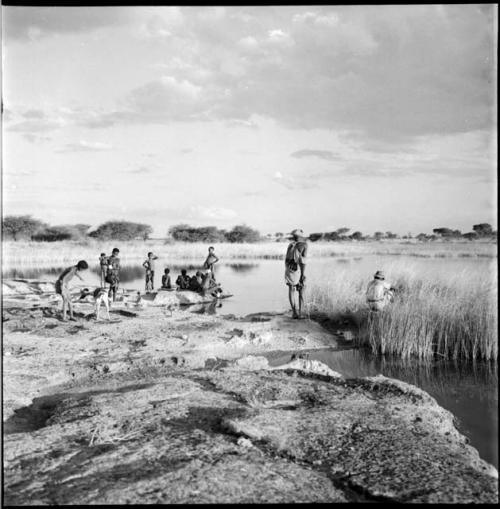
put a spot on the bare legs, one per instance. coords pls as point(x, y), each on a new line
point(66, 297)
point(293, 298)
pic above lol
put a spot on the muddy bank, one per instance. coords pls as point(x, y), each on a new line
point(168, 406)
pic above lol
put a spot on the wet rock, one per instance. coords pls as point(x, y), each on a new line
point(309, 366)
point(252, 362)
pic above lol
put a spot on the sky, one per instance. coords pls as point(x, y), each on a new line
point(374, 118)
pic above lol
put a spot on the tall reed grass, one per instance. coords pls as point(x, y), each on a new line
point(51, 254)
point(452, 317)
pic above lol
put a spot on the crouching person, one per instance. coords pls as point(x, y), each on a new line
point(379, 292)
point(62, 287)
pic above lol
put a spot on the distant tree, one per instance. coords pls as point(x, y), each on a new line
point(482, 229)
point(342, 231)
point(313, 237)
point(470, 235)
point(331, 236)
point(390, 235)
point(356, 236)
point(53, 234)
point(187, 233)
point(378, 235)
point(447, 232)
point(122, 230)
point(80, 228)
point(279, 235)
point(443, 232)
point(243, 233)
point(17, 227)
point(422, 237)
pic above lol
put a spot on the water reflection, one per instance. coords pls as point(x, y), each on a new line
point(244, 268)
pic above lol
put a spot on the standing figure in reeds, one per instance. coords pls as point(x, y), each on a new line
point(379, 292)
point(211, 261)
point(295, 266)
point(103, 263)
point(62, 286)
point(113, 273)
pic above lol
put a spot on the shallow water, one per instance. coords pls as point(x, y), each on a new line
point(469, 392)
point(259, 285)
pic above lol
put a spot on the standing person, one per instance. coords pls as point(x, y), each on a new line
point(211, 261)
point(113, 273)
point(149, 265)
point(63, 290)
point(166, 281)
point(103, 263)
point(295, 266)
point(379, 292)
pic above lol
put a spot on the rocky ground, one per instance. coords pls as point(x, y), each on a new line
point(166, 405)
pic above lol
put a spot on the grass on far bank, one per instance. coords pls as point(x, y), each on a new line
point(51, 254)
point(453, 317)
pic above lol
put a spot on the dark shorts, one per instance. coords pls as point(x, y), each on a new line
point(62, 290)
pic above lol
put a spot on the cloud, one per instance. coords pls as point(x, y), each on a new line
point(242, 123)
point(37, 125)
point(292, 183)
point(34, 114)
point(85, 146)
point(141, 170)
point(388, 73)
point(322, 154)
point(210, 213)
point(33, 138)
point(36, 22)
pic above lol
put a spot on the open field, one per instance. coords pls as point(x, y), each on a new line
point(45, 254)
point(453, 315)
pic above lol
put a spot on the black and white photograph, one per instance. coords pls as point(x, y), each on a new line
point(249, 254)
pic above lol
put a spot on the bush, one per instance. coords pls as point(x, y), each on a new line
point(53, 234)
point(187, 233)
point(16, 227)
point(243, 233)
point(122, 230)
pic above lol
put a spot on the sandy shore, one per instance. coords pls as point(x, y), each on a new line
point(171, 406)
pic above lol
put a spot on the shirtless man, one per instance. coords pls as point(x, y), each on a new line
point(113, 273)
point(62, 286)
point(295, 266)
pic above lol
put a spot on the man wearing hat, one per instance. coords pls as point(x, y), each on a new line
point(295, 265)
point(379, 292)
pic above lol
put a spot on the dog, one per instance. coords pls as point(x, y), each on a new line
point(100, 296)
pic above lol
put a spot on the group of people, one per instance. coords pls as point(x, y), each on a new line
point(378, 294)
point(203, 281)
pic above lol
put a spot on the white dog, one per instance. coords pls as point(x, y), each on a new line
point(100, 296)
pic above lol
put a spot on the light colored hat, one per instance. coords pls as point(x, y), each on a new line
point(379, 275)
point(298, 232)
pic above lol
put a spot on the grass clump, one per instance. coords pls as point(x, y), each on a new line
point(454, 317)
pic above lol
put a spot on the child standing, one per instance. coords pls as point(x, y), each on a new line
point(149, 265)
point(211, 261)
point(103, 263)
point(62, 286)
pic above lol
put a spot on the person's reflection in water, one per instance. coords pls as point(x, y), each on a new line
point(207, 309)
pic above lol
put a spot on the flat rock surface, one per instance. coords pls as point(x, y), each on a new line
point(170, 406)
